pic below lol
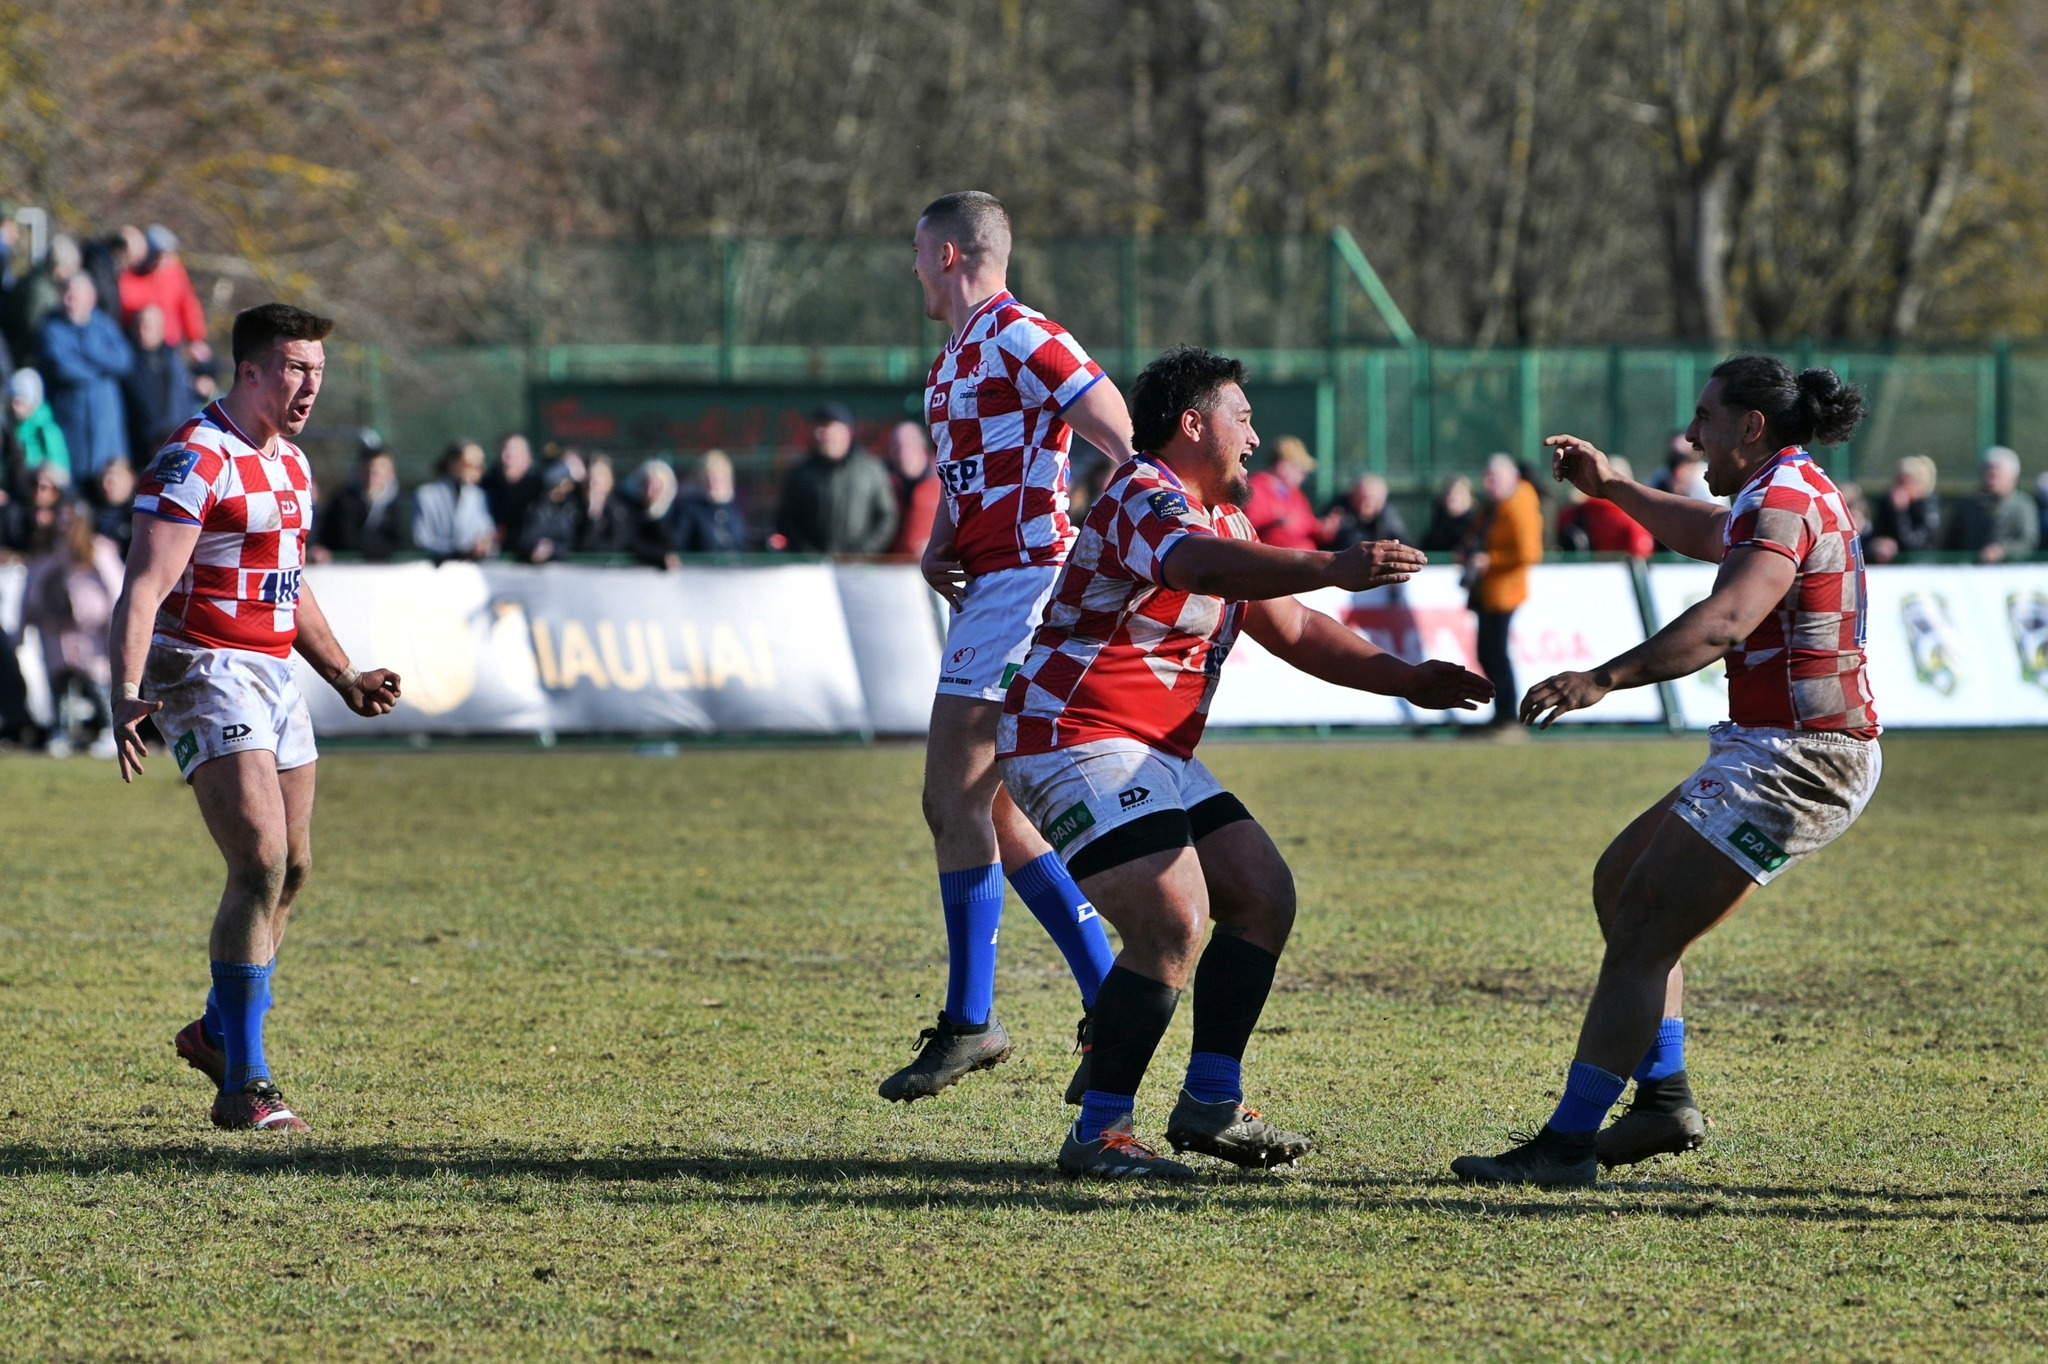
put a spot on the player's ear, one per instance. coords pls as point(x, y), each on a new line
point(1191, 424)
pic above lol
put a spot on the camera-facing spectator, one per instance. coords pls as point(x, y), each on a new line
point(554, 518)
point(2041, 497)
point(33, 437)
point(30, 524)
point(155, 277)
point(1907, 520)
point(1595, 525)
point(85, 358)
point(114, 512)
point(2001, 522)
point(653, 540)
point(1498, 573)
point(837, 500)
point(1278, 509)
point(366, 516)
point(606, 523)
point(38, 294)
point(917, 487)
point(156, 393)
point(1450, 517)
point(450, 518)
point(511, 487)
point(710, 520)
point(1365, 516)
point(69, 598)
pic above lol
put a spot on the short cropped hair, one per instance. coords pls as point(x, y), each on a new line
point(259, 328)
point(975, 222)
point(1182, 379)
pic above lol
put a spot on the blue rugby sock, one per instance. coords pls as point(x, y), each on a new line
point(1589, 1092)
point(1071, 922)
point(974, 912)
point(209, 1022)
point(243, 993)
point(1214, 1077)
point(1666, 1056)
point(1100, 1112)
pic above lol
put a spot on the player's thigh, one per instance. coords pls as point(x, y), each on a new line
point(1158, 903)
point(960, 748)
point(1610, 873)
point(1251, 889)
point(296, 786)
point(242, 802)
point(1679, 888)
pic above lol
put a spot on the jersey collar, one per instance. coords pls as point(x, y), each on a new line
point(960, 337)
point(1791, 454)
point(219, 412)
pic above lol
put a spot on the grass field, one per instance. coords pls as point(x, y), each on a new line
point(589, 1042)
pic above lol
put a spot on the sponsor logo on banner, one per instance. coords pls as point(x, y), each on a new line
point(2027, 612)
point(1931, 635)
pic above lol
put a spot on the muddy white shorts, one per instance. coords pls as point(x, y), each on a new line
point(989, 636)
point(221, 701)
point(1111, 801)
point(1769, 797)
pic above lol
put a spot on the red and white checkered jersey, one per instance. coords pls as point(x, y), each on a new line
point(1803, 667)
point(993, 400)
point(241, 588)
point(1120, 654)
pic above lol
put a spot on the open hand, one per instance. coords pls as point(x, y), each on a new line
point(1581, 464)
point(1554, 696)
point(128, 746)
point(373, 693)
point(1439, 685)
point(1375, 563)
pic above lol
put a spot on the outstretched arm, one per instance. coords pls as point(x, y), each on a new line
point(1751, 584)
point(1244, 570)
point(1686, 524)
point(1322, 648)
point(368, 694)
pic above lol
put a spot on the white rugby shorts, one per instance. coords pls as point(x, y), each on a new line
point(221, 701)
point(1768, 798)
point(1074, 796)
point(988, 637)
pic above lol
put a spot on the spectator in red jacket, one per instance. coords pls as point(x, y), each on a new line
point(156, 276)
point(1594, 523)
point(1278, 509)
point(917, 487)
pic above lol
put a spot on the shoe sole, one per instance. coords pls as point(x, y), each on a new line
point(984, 1063)
point(1079, 1175)
point(1267, 1158)
point(1690, 1136)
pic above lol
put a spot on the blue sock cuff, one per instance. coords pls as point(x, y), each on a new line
point(974, 883)
point(238, 970)
point(1100, 1111)
point(1666, 1056)
point(1589, 1092)
point(1214, 1077)
point(1040, 876)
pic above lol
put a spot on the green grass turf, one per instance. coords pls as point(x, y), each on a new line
point(590, 1041)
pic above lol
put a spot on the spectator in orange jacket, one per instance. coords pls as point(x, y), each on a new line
point(156, 276)
point(1278, 509)
point(916, 485)
point(1498, 573)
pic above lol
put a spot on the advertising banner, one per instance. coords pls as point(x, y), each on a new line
point(1577, 615)
point(893, 618)
point(1949, 644)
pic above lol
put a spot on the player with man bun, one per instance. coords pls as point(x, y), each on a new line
point(201, 638)
point(1787, 775)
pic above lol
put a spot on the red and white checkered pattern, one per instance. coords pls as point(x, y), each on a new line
point(241, 589)
point(1120, 654)
point(1802, 668)
point(993, 401)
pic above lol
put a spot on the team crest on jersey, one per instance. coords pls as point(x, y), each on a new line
point(1708, 788)
point(1168, 505)
point(174, 464)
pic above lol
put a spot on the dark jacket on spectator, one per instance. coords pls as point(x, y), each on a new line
point(116, 523)
point(509, 501)
point(1385, 525)
point(1446, 533)
point(558, 523)
point(707, 527)
point(842, 506)
point(350, 523)
point(83, 367)
point(1916, 528)
point(609, 531)
point(2012, 521)
point(652, 538)
point(157, 395)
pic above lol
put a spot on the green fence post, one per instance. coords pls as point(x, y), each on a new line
point(1616, 430)
point(1376, 411)
point(1326, 438)
point(1529, 403)
point(1682, 391)
point(1421, 419)
point(728, 309)
point(2002, 357)
point(1127, 275)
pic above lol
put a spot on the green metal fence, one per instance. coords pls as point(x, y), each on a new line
point(702, 327)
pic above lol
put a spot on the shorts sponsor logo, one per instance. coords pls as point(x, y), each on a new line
point(962, 656)
point(1133, 798)
point(234, 734)
point(1167, 505)
point(1069, 825)
point(1756, 845)
point(1010, 671)
point(1708, 788)
point(185, 749)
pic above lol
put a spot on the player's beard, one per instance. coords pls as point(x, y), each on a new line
point(1238, 490)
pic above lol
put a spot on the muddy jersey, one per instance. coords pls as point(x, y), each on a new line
point(993, 401)
point(241, 588)
point(1120, 654)
point(1803, 667)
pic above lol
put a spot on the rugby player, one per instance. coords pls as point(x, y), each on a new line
point(1097, 746)
point(201, 639)
point(1789, 772)
point(1003, 401)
